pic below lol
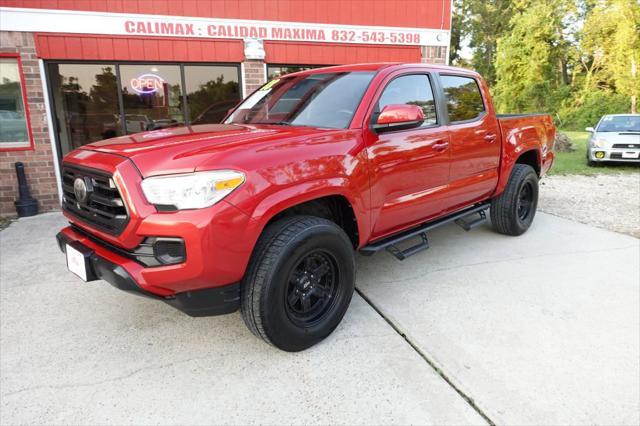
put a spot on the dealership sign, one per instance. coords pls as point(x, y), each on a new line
point(67, 21)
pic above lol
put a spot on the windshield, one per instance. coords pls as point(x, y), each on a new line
point(620, 123)
point(319, 100)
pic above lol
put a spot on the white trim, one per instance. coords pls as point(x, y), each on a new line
point(244, 80)
point(52, 136)
point(82, 22)
point(450, 27)
point(264, 71)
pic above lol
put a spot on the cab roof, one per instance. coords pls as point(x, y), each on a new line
point(378, 66)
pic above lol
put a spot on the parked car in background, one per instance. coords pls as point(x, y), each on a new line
point(264, 213)
point(615, 138)
point(136, 123)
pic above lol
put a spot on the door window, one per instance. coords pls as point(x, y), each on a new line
point(464, 100)
point(152, 97)
point(411, 90)
point(85, 100)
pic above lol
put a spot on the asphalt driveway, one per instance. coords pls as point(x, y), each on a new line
point(541, 329)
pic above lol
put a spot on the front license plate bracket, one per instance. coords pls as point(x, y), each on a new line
point(79, 260)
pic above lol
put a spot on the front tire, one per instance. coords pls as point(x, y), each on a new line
point(299, 282)
point(512, 212)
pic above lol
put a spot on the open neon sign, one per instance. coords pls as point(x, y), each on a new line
point(147, 83)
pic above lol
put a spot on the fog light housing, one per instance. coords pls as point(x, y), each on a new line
point(169, 251)
point(600, 155)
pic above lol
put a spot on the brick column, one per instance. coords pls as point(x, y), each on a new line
point(254, 75)
point(434, 54)
point(38, 163)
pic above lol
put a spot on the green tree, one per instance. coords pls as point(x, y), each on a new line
point(610, 46)
point(532, 57)
point(483, 23)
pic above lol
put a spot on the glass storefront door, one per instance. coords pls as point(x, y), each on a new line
point(92, 102)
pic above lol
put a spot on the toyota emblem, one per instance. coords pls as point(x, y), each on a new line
point(80, 190)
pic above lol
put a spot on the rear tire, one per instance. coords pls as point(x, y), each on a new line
point(299, 282)
point(513, 211)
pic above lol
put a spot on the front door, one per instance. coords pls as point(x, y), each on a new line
point(409, 168)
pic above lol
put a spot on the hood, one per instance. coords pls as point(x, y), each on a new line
point(610, 138)
point(184, 149)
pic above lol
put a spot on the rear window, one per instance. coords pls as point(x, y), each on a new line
point(464, 100)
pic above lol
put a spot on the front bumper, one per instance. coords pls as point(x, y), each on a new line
point(612, 154)
point(110, 267)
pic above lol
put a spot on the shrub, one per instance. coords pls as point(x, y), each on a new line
point(594, 105)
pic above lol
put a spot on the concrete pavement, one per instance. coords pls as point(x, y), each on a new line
point(541, 329)
point(85, 353)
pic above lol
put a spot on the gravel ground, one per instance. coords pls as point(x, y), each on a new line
point(606, 201)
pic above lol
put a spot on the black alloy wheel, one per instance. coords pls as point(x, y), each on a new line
point(312, 287)
point(525, 201)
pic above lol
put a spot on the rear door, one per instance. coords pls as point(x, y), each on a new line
point(475, 140)
point(409, 168)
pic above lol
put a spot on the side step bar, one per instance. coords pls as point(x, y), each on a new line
point(390, 244)
point(468, 226)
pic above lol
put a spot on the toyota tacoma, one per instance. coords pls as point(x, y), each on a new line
point(265, 211)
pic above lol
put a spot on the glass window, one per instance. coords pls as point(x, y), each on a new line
point(211, 92)
point(275, 71)
point(14, 131)
point(619, 123)
point(85, 100)
point(411, 90)
point(464, 100)
point(152, 97)
point(320, 100)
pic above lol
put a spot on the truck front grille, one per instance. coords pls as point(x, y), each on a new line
point(100, 204)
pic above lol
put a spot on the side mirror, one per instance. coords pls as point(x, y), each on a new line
point(590, 129)
point(397, 117)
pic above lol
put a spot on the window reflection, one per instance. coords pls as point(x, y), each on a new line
point(411, 90)
point(89, 108)
point(13, 118)
point(152, 97)
point(85, 99)
point(275, 71)
point(211, 92)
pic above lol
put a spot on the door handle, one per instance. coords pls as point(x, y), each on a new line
point(491, 137)
point(440, 145)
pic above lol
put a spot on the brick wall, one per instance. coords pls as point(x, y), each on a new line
point(253, 75)
point(434, 54)
point(38, 163)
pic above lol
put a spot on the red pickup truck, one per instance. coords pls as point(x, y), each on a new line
point(265, 212)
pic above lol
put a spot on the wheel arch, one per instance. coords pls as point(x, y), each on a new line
point(330, 202)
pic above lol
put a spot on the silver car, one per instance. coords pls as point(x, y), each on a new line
point(615, 138)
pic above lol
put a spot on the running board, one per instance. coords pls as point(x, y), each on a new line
point(390, 244)
point(468, 226)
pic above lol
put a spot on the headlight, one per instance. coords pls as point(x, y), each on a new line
point(599, 143)
point(192, 190)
